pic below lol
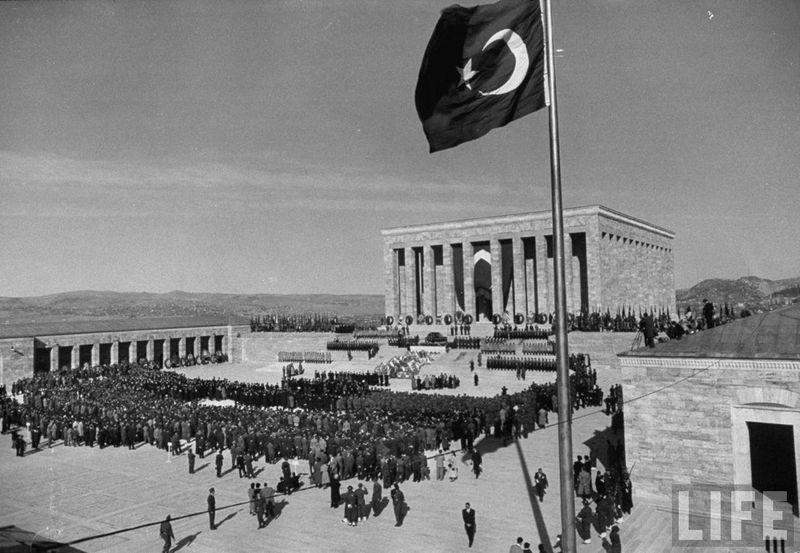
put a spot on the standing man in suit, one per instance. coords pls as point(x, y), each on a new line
point(468, 514)
point(191, 462)
point(540, 483)
point(212, 509)
point(219, 460)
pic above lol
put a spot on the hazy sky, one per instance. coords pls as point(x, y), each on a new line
point(259, 147)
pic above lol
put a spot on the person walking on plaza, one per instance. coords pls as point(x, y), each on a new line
point(212, 509)
point(191, 457)
point(166, 534)
point(477, 461)
point(540, 483)
point(399, 503)
point(468, 514)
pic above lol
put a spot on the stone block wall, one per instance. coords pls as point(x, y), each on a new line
point(684, 434)
point(17, 362)
point(602, 346)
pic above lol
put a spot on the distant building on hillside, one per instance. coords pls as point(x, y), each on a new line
point(494, 265)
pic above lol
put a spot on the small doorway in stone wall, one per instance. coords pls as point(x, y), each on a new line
point(772, 461)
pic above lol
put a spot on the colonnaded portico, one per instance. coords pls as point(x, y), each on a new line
point(41, 347)
point(487, 267)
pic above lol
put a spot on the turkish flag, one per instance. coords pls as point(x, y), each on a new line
point(482, 69)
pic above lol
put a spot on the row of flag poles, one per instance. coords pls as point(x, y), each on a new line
point(484, 67)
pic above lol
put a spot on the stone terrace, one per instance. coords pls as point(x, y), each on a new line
point(66, 494)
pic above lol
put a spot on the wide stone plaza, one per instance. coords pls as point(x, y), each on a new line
point(76, 494)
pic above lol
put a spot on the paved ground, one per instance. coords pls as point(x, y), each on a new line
point(67, 494)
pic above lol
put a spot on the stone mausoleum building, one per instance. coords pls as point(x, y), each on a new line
point(25, 348)
point(719, 408)
point(496, 265)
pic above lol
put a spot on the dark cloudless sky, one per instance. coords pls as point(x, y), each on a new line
point(259, 147)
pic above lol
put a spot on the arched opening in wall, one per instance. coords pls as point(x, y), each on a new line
point(65, 357)
point(482, 280)
point(105, 354)
point(124, 352)
point(217, 344)
point(204, 345)
point(85, 355)
point(772, 461)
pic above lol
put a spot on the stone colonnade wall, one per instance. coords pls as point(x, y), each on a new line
point(684, 434)
point(65, 349)
point(612, 261)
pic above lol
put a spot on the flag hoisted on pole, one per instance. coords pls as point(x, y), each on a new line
point(484, 67)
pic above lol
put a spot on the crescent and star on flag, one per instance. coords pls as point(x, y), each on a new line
point(520, 52)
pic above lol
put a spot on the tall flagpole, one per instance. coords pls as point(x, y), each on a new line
point(568, 543)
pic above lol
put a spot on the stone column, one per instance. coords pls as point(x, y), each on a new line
point(542, 277)
point(211, 343)
point(226, 345)
point(196, 351)
point(520, 282)
point(182, 347)
point(569, 273)
point(448, 301)
point(95, 354)
point(389, 279)
point(133, 351)
point(469, 279)
point(75, 361)
point(497, 277)
point(411, 284)
point(115, 352)
point(54, 351)
point(428, 282)
point(166, 351)
point(150, 349)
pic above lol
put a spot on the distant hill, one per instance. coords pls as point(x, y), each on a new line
point(751, 292)
point(83, 305)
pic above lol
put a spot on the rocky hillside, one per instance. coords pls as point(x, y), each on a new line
point(752, 292)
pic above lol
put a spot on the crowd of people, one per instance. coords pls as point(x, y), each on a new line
point(435, 382)
point(305, 356)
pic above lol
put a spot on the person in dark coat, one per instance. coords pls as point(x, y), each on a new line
point(191, 457)
point(585, 523)
point(708, 313)
point(540, 483)
point(648, 328)
point(377, 496)
point(219, 461)
point(399, 503)
point(468, 514)
point(477, 461)
point(336, 497)
point(614, 543)
point(166, 534)
point(212, 509)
